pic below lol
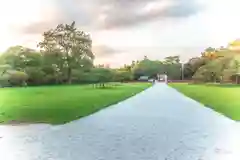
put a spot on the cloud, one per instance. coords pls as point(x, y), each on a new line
point(110, 14)
point(46, 18)
point(129, 13)
point(154, 53)
point(103, 51)
point(159, 53)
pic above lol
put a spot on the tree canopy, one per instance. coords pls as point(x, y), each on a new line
point(65, 56)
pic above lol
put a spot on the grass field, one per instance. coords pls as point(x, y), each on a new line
point(60, 104)
point(222, 98)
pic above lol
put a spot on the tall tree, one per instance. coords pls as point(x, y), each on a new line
point(19, 57)
point(74, 46)
point(172, 60)
point(4, 68)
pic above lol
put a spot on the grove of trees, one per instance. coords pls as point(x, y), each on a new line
point(215, 65)
point(65, 56)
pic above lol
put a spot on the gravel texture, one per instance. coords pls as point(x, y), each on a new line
point(157, 124)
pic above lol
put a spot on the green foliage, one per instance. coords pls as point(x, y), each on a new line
point(218, 70)
point(17, 78)
point(4, 81)
point(74, 47)
point(147, 67)
point(151, 68)
point(19, 57)
point(66, 56)
point(172, 60)
point(103, 75)
point(123, 76)
point(193, 65)
point(36, 76)
point(4, 68)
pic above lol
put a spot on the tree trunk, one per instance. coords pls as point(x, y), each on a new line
point(69, 75)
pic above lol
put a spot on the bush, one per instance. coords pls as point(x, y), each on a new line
point(35, 75)
point(121, 76)
point(4, 81)
point(17, 78)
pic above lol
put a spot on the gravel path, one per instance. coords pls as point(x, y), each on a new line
point(157, 124)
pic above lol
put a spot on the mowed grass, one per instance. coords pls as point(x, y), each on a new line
point(222, 98)
point(60, 104)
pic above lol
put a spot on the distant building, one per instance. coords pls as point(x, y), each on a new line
point(103, 65)
point(162, 78)
point(143, 78)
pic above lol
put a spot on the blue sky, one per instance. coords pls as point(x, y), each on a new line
point(124, 30)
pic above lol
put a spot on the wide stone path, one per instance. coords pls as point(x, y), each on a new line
point(157, 124)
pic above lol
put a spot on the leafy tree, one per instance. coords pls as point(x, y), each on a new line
point(151, 68)
point(211, 53)
point(121, 76)
point(217, 70)
point(103, 75)
point(173, 71)
point(171, 60)
point(17, 78)
point(193, 65)
point(36, 76)
point(19, 57)
point(72, 44)
point(209, 49)
point(127, 67)
point(4, 76)
point(147, 67)
point(4, 68)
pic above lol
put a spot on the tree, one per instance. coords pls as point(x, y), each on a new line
point(234, 46)
point(133, 64)
point(193, 65)
point(102, 75)
point(17, 78)
point(147, 67)
point(209, 49)
point(172, 60)
point(36, 76)
point(121, 76)
point(4, 76)
point(173, 71)
point(216, 70)
point(127, 67)
point(72, 44)
point(210, 53)
point(237, 66)
point(4, 68)
point(19, 57)
point(150, 68)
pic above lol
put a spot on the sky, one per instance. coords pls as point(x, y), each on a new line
point(126, 30)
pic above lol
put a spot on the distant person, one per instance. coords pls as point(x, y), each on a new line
point(153, 82)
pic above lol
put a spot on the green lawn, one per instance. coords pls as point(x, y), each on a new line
point(222, 98)
point(60, 104)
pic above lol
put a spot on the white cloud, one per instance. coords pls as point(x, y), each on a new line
point(214, 26)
